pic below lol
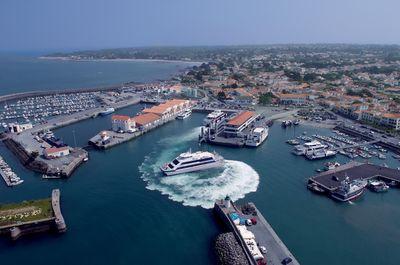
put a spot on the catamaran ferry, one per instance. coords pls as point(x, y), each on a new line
point(190, 162)
point(184, 114)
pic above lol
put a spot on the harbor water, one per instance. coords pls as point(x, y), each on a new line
point(22, 73)
point(120, 210)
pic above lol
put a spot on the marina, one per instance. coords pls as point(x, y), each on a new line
point(10, 178)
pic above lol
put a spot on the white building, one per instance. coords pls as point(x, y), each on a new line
point(17, 128)
point(391, 120)
point(54, 152)
point(123, 123)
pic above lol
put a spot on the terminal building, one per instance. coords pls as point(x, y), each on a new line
point(235, 126)
point(146, 120)
point(169, 109)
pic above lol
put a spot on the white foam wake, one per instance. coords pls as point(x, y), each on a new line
point(236, 179)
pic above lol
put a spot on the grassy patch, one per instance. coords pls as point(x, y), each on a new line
point(25, 211)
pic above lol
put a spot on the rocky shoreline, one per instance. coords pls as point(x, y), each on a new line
point(228, 250)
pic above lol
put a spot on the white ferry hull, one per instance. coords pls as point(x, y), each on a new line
point(193, 168)
point(183, 116)
point(252, 143)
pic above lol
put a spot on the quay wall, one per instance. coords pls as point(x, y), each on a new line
point(24, 157)
point(381, 142)
point(125, 137)
point(231, 226)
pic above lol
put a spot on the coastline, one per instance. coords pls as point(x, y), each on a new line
point(63, 58)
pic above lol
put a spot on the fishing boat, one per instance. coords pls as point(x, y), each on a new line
point(293, 142)
point(378, 186)
point(349, 190)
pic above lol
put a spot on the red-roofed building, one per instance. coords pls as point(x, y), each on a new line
point(238, 123)
point(146, 120)
point(391, 120)
point(169, 108)
point(54, 152)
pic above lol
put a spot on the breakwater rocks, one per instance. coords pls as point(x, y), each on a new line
point(228, 250)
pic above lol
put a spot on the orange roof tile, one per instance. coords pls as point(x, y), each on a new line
point(391, 115)
point(241, 118)
point(120, 117)
point(146, 118)
point(52, 150)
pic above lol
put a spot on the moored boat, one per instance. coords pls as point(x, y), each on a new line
point(349, 190)
point(185, 114)
point(378, 186)
point(107, 111)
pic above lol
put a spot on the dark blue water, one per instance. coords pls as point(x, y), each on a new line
point(120, 211)
point(19, 73)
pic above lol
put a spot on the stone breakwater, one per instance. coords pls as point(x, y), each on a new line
point(228, 250)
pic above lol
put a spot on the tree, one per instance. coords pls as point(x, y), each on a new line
point(221, 95)
point(310, 77)
point(266, 98)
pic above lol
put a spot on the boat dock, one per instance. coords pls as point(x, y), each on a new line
point(330, 180)
point(116, 138)
point(252, 238)
point(6, 178)
point(32, 217)
point(370, 134)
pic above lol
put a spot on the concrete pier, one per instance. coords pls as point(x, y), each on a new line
point(55, 203)
point(370, 134)
point(276, 252)
point(119, 138)
point(331, 180)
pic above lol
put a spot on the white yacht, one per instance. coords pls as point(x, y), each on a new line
point(214, 116)
point(107, 111)
point(185, 114)
point(257, 136)
point(308, 148)
point(320, 153)
point(189, 162)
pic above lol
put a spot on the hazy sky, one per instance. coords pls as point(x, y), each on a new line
point(83, 24)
